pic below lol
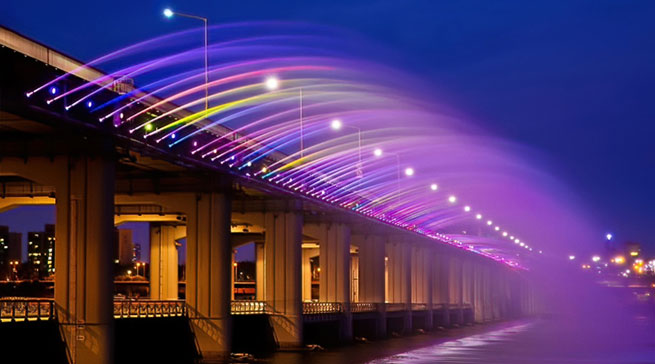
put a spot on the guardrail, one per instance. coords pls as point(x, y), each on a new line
point(419, 306)
point(358, 307)
point(393, 307)
point(23, 309)
point(318, 308)
point(149, 309)
point(244, 307)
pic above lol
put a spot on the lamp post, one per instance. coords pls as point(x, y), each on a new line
point(272, 84)
point(378, 153)
point(169, 14)
point(337, 125)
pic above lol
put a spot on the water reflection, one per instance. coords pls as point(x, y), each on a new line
point(556, 340)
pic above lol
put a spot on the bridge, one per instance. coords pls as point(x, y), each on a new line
point(373, 267)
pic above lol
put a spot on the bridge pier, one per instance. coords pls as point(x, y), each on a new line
point(164, 260)
point(282, 277)
point(400, 279)
point(208, 270)
point(371, 273)
point(421, 282)
point(335, 263)
point(84, 188)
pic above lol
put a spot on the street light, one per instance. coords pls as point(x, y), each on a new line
point(168, 13)
point(337, 125)
point(272, 83)
point(434, 187)
point(452, 199)
point(409, 171)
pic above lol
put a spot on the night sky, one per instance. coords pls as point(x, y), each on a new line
point(572, 79)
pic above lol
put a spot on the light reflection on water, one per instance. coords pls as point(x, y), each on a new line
point(555, 341)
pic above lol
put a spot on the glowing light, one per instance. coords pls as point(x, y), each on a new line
point(571, 257)
point(148, 127)
point(452, 199)
point(272, 83)
point(53, 90)
point(467, 208)
point(89, 104)
point(504, 233)
point(608, 236)
point(434, 187)
point(522, 244)
point(409, 171)
point(489, 222)
point(517, 241)
point(168, 13)
point(595, 258)
point(478, 216)
point(497, 228)
point(173, 136)
point(264, 169)
point(377, 152)
point(336, 125)
point(634, 254)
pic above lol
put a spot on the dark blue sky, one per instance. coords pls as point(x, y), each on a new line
point(572, 79)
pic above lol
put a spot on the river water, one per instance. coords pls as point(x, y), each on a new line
point(554, 340)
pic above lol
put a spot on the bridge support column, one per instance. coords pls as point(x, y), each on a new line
point(334, 247)
point(282, 279)
point(421, 266)
point(259, 272)
point(443, 288)
point(371, 276)
point(208, 288)
point(478, 316)
point(456, 291)
point(400, 278)
point(164, 261)
point(83, 242)
point(83, 263)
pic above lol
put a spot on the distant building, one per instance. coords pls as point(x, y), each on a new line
point(137, 252)
point(15, 247)
point(4, 251)
point(41, 252)
point(125, 247)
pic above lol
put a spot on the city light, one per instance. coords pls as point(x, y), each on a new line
point(409, 171)
point(336, 125)
point(571, 257)
point(619, 260)
point(168, 13)
point(452, 199)
point(89, 104)
point(478, 216)
point(608, 236)
point(434, 187)
point(377, 152)
point(634, 254)
point(595, 258)
point(489, 222)
point(272, 83)
point(467, 208)
point(53, 90)
point(505, 233)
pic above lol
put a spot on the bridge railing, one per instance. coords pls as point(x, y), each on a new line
point(245, 307)
point(318, 308)
point(392, 307)
point(149, 308)
point(419, 306)
point(359, 307)
point(27, 309)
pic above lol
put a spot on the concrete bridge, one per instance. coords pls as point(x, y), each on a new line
point(391, 278)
